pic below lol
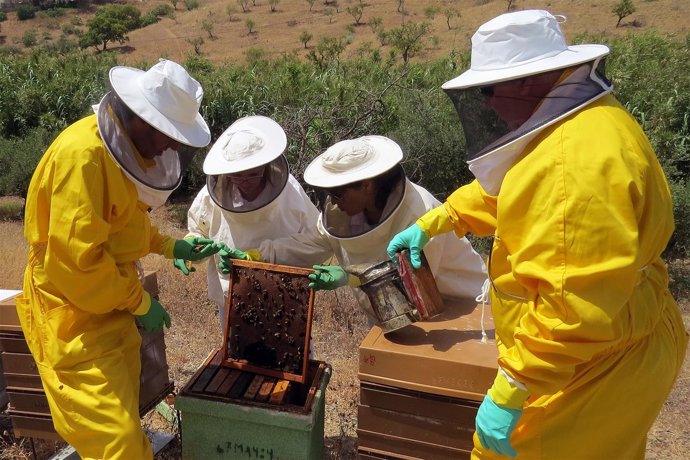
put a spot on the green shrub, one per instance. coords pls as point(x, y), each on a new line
point(191, 4)
point(153, 16)
point(29, 38)
point(18, 159)
point(54, 12)
point(69, 29)
point(3, 16)
point(62, 84)
point(61, 46)
point(25, 12)
point(679, 246)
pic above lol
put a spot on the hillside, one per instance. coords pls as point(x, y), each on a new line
point(278, 32)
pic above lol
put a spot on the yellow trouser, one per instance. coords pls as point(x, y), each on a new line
point(607, 413)
point(93, 393)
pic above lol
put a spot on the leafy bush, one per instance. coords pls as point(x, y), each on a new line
point(64, 85)
point(70, 29)
point(29, 38)
point(54, 12)
point(3, 16)
point(61, 46)
point(153, 16)
point(191, 4)
point(18, 159)
point(25, 12)
point(326, 99)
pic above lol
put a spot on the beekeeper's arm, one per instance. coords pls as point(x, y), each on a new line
point(302, 249)
point(80, 191)
point(444, 219)
point(196, 246)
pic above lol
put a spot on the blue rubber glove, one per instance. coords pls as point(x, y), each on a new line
point(328, 277)
point(494, 426)
point(154, 319)
point(181, 265)
point(412, 238)
point(195, 248)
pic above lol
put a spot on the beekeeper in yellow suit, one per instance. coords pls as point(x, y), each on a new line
point(87, 226)
point(590, 340)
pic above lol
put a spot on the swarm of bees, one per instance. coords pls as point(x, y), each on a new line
point(268, 318)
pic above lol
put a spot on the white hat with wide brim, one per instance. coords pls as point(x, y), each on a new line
point(353, 160)
point(520, 44)
point(248, 143)
point(166, 97)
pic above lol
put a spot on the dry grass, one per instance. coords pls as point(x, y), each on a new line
point(278, 33)
point(13, 248)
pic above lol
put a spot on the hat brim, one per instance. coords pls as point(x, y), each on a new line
point(122, 80)
point(576, 54)
point(273, 135)
point(387, 155)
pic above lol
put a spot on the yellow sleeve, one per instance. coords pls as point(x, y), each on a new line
point(82, 188)
point(471, 210)
point(162, 244)
point(435, 222)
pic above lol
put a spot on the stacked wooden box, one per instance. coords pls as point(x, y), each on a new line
point(29, 409)
point(421, 386)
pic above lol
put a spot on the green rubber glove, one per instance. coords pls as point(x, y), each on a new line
point(226, 255)
point(181, 265)
point(494, 426)
point(195, 248)
point(328, 277)
point(154, 319)
point(412, 238)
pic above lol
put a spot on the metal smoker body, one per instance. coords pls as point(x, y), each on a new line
point(389, 299)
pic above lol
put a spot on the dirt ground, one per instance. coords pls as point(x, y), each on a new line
point(278, 32)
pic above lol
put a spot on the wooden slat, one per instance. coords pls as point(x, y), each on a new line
point(204, 379)
point(215, 382)
point(279, 392)
point(314, 387)
point(240, 385)
point(266, 389)
point(253, 387)
point(229, 381)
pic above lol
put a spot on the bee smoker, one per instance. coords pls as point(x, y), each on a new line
point(399, 295)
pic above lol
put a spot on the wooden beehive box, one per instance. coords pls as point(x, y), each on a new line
point(259, 395)
point(421, 386)
point(264, 358)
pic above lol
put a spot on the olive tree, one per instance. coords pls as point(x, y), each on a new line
point(110, 24)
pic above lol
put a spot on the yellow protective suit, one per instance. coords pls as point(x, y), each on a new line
point(583, 315)
point(86, 229)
